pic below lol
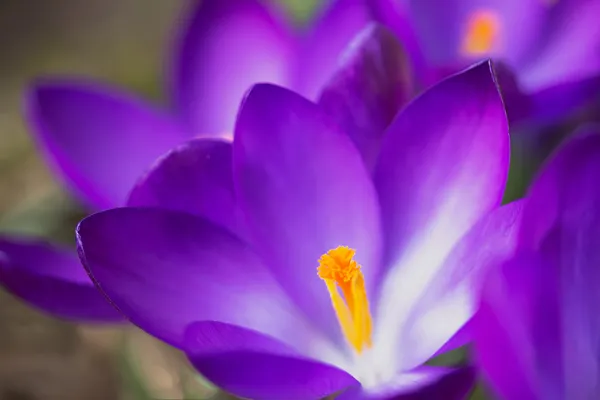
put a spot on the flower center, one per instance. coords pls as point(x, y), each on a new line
point(482, 33)
point(342, 274)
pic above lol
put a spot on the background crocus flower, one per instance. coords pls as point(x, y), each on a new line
point(99, 140)
point(233, 281)
point(538, 328)
point(549, 49)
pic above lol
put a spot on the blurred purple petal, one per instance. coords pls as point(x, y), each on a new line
point(52, 280)
point(369, 88)
point(436, 177)
point(304, 190)
point(394, 15)
point(166, 270)
point(331, 32)
point(572, 251)
point(99, 140)
point(552, 325)
point(226, 47)
point(195, 177)
point(263, 375)
point(423, 383)
point(549, 105)
point(562, 76)
point(509, 323)
point(448, 302)
point(546, 197)
point(569, 49)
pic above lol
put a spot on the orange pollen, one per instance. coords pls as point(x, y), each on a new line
point(482, 33)
point(341, 273)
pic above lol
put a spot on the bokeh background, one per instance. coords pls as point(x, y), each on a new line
point(123, 42)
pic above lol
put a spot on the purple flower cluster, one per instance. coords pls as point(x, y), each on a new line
point(341, 223)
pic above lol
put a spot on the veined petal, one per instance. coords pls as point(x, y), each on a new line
point(373, 82)
point(324, 43)
point(226, 47)
point(304, 190)
point(443, 165)
point(98, 139)
point(167, 270)
point(195, 177)
point(256, 367)
point(450, 300)
point(423, 383)
point(52, 280)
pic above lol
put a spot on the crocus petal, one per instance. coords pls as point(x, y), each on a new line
point(562, 76)
point(555, 331)
point(394, 15)
point(52, 280)
point(506, 328)
point(195, 177)
point(572, 253)
point(369, 88)
point(166, 270)
point(261, 370)
point(423, 383)
point(556, 102)
point(543, 208)
point(436, 177)
point(304, 190)
point(226, 47)
point(450, 300)
point(332, 31)
point(98, 139)
point(558, 60)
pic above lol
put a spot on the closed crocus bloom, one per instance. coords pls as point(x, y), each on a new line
point(307, 257)
point(548, 48)
point(99, 139)
point(538, 328)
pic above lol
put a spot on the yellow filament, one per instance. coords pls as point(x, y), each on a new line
point(341, 273)
point(482, 33)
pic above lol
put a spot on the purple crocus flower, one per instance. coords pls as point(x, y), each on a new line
point(99, 140)
point(303, 260)
point(549, 49)
point(538, 328)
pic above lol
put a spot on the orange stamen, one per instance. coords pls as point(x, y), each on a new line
point(482, 33)
point(339, 271)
